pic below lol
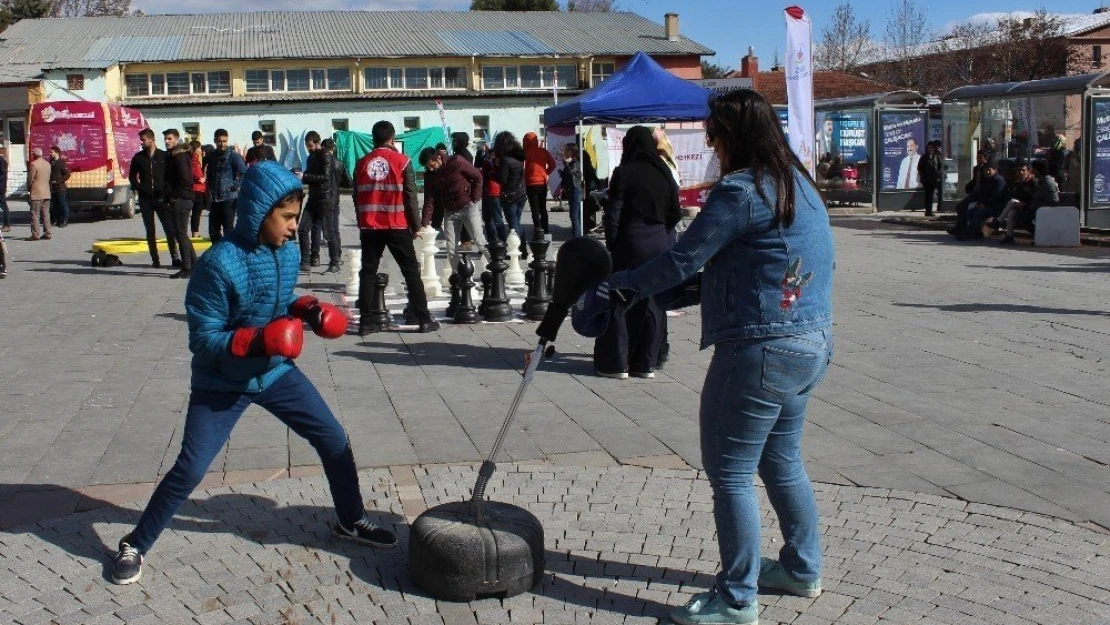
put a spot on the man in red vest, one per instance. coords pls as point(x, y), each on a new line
point(389, 216)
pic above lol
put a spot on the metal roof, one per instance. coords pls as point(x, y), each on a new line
point(101, 41)
point(910, 98)
point(1063, 84)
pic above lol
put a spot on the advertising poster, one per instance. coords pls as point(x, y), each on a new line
point(843, 134)
point(1100, 154)
point(698, 168)
point(784, 119)
point(126, 124)
point(902, 143)
point(77, 128)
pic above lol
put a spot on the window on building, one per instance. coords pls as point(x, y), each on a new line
point(17, 134)
point(319, 80)
point(157, 84)
point(529, 76)
point(75, 82)
point(454, 78)
point(137, 85)
point(600, 72)
point(567, 76)
point(258, 80)
point(219, 82)
point(543, 129)
point(481, 129)
point(297, 80)
point(200, 83)
point(396, 78)
point(1096, 56)
point(339, 79)
point(512, 77)
point(191, 130)
point(412, 123)
point(339, 124)
point(375, 78)
point(277, 80)
point(269, 131)
point(177, 83)
point(416, 78)
point(493, 77)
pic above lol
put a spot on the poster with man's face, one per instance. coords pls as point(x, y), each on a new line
point(903, 139)
point(843, 134)
point(1100, 156)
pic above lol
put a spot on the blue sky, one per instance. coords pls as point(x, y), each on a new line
point(727, 26)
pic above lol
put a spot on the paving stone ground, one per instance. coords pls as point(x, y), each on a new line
point(623, 545)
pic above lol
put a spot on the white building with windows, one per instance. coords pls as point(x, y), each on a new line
point(284, 73)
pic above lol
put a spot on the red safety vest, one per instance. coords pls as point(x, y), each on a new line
point(379, 190)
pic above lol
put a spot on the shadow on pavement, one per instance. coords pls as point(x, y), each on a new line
point(1017, 308)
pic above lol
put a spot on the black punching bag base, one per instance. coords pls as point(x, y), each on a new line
point(454, 557)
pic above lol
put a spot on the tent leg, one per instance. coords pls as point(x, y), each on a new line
point(578, 230)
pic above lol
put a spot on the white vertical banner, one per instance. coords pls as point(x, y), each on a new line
point(446, 130)
point(799, 84)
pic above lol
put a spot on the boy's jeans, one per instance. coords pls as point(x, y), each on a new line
point(574, 200)
point(469, 218)
point(212, 415)
point(753, 407)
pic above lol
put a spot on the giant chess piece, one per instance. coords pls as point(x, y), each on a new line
point(456, 296)
point(355, 263)
point(427, 254)
point(550, 277)
point(535, 305)
point(465, 272)
point(495, 304)
point(515, 275)
point(389, 267)
point(378, 318)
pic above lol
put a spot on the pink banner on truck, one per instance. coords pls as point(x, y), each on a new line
point(77, 128)
point(126, 124)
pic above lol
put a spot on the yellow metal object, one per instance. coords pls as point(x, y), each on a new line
point(126, 245)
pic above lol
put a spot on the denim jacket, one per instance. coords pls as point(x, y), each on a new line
point(223, 172)
point(760, 280)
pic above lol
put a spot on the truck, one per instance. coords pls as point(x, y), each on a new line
point(98, 140)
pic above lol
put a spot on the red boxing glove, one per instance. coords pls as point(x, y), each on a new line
point(326, 320)
point(281, 337)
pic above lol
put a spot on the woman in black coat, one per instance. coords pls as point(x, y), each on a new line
point(643, 209)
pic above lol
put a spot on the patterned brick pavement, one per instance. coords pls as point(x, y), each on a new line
point(623, 544)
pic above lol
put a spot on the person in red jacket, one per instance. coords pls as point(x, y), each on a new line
point(388, 214)
point(199, 196)
point(538, 166)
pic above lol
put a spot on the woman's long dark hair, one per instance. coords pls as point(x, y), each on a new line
point(506, 144)
point(747, 128)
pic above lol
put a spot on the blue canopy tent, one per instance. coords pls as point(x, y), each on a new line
point(641, 93)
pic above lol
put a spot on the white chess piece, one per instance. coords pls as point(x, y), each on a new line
point(396, 282)
point(514, 276)
point(354, 261)
point(428, 249)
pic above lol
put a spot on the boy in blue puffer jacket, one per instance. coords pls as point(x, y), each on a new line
point(245, 329)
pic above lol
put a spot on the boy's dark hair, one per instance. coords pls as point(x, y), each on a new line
point(441, 146)
point(312, 136)
point(383, 132)
point(220, 132)
point(328, 144)
point(257, 134)
point(171, 131)
point(55, 148)
point(426, 155)
point(1041, 167)
point(296, 195)
point(194, 145)
point(460, 140)
point(146, 133)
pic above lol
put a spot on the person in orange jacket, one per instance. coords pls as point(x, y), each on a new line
point(538, 165)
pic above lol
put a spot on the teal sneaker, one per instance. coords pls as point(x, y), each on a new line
point(709, 608)
point(772, 575)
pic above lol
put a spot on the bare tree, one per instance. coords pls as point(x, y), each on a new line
point(844, 40)
point(590, 6)
point(907, 32)
point(91, 8)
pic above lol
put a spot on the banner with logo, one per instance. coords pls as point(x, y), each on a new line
point(902, 136)
point(77, 128)
point(799, 84)
point(1100, 153)
point(698, 167)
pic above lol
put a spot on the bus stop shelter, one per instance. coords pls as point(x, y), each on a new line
point(1024, 120)
point(879, 138)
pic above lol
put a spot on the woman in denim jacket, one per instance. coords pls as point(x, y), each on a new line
point(766, 246)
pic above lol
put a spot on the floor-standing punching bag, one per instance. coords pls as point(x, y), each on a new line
point(465, 549)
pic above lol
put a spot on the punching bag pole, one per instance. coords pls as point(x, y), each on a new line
point(489, 465)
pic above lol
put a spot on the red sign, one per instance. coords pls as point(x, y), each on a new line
point(77, 128)
point(126, 124)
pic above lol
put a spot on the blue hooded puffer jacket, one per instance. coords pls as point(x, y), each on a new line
point(240, 283)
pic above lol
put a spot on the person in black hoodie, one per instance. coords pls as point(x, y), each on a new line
point(323, 192)
point(510, 162)
point(179, 197)
point(643, 209)
point(148, 179)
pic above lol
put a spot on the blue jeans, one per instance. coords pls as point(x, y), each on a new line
point(574, 200)
point(209, 421)
point(753, 407)
point(493, 219)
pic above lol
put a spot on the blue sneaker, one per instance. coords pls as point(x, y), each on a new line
point(772, 575)
point(710, 608)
